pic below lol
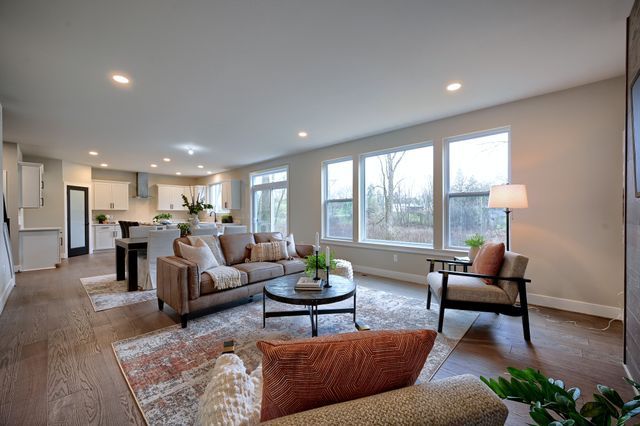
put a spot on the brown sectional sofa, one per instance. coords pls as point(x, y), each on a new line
point(188, 290)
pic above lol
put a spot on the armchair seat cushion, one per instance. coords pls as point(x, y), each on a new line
point(467, 289)
point(292, 266)
point(260, 271)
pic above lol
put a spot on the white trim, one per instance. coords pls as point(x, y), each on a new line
point(534, 299)
point(269, 186)
point(325, 200)
point(395, 275)
point(629, 376)
point(405, 248)
point(5, 294)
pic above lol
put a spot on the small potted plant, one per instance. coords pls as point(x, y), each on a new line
point(227, 218)
point(474, 242)
point(185, 229)
point(162, 218)
point(310, 265)
point(101, 218)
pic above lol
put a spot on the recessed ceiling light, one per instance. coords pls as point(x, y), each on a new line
point(166, 160)
point(190, 151)
point(209, 172)
point(452, 87)
point(119, 78)
point(93, 153)
point(153, 165)
point(178, 173)
point(200, 166)
point(104, 165)
point(303, 134)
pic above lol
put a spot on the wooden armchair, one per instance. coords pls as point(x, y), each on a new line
point(468, 290)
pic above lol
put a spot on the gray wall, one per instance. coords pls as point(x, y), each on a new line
point(566, 147)
point(11, 156)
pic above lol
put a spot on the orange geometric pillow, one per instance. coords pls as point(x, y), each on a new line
point(489, 260)
point(310, 373)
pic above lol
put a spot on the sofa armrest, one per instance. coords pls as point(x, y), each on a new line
point(173, 283)
point(304, 250)
point(459, 400)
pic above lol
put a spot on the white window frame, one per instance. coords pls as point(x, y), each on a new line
point(445, 169)
point(220, 209)
point(325, 200)
point(269, 186)
point(362, 197)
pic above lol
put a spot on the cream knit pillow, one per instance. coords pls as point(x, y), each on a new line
point(199, 253)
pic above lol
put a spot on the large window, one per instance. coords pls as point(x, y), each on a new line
point(269, 200)
point(397, 194)
point(338, 199)
point(475, 162)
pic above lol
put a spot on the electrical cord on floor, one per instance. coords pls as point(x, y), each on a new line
point(575, 323)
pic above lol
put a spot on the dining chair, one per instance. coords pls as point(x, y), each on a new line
point(160, 243)
point(141, 231)
point(205, 231)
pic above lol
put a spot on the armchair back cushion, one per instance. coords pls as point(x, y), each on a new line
point(489, 259)
point(234, 247)
point(513, 265)
point(304, 374)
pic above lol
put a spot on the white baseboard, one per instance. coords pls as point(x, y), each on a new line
point(534, 299)
point(5, 294)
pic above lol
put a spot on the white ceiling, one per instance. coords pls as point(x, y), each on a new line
point(238, 79)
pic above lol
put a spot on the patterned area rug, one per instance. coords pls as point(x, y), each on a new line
point(167, 370)
point(107, 293)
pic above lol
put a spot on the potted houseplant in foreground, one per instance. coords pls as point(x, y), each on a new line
point(474, 243)
point(310, 265)
point(550, 404)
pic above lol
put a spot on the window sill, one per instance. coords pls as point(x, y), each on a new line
point(394, 247)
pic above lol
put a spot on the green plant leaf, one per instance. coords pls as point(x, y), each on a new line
point(622, 420)
point(631, 405)
point(540, 415)
point(611, 395)
point(611, 409)
point(592, 409)
point(575, 393)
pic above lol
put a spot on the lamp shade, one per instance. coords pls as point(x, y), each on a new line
point(508, 197)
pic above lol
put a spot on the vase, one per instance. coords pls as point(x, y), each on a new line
point(194, 221)
point(473, 252)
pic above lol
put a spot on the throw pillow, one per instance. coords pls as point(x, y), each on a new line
point(200, 254)
point(269, 252)
point(310, 373)
point(232, 397)
point(214, 244)
point(489, 259)
point(291, 246)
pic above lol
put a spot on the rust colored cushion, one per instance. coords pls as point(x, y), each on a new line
point(310, 373)
point(489, 259)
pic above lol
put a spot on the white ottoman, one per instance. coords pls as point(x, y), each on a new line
point(343, 268)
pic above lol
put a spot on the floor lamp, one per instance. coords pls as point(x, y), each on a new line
point(508, 197)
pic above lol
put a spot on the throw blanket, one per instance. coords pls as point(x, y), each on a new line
point(224, 277)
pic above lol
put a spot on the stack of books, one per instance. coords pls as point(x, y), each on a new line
point(308, 284)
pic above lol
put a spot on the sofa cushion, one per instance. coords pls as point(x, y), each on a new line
point(309, 373)
point(292, 266)
point(176, 245)
point(207, 286)
point(234, 247)
point(489, 259)
point(467, 289)
point(260, 271)
point(266, 237)
point(269, 252)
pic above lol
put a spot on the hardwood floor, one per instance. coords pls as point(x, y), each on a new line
point(57, 366)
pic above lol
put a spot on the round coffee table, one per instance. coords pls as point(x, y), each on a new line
point(282, 289)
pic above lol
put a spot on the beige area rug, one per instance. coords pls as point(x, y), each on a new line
point(107, 293)
point(168, 370)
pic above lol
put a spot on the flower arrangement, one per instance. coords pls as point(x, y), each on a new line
point(196, 204)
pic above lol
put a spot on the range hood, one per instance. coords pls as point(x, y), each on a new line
point(142, 185)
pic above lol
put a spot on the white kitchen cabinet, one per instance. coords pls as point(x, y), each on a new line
point(104, 236)
point(110, 195)
point(231, 195)
point(31, 185)
point(170, 197)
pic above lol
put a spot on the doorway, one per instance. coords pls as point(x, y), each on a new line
point(77, 221)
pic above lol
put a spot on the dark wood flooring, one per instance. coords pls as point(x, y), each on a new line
point(57, 365)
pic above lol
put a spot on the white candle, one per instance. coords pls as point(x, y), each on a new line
point(317, 241)
point(327, 256)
